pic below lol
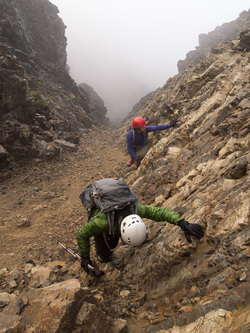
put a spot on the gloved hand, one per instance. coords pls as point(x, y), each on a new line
point(95, 272)
point(174, 123)
point(138, 163)
point(191, 229)
point(87, 265)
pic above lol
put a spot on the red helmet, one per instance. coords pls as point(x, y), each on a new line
point(138, 122)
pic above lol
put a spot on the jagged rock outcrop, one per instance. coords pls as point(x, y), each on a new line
point(39, 101)
point(201, 170)
point(213, 40)
point(166, 285)
point(141, 104)
point(96, 104)
point(51, 303)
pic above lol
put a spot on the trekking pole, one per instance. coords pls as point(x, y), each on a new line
point(75, 255)
point(70, 251)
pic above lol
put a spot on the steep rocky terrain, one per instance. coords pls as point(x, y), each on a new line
point(215, 39)
point(42, 109)
point(166, 285)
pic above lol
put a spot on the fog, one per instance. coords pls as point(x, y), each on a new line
point(125, 49)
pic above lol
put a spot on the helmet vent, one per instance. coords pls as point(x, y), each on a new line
point(133, 232)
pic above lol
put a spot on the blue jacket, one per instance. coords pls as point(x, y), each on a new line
point(139, 138)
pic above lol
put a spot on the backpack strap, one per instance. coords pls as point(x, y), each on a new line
point(92, 218)
point(111, 219)
point(145, 134)
point(90, 210)
point(133, 137)
point(111, 216)
point(145, 138)
point(133, 208)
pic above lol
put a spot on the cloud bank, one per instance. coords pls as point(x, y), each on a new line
point(126, 49)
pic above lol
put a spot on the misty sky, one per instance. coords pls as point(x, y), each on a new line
point(125, 49)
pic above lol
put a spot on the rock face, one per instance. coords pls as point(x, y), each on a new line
point(96, 104)
point(200, 168)
point(39, 102)
point(50, 304)
point(222, 34)
point(141, 104)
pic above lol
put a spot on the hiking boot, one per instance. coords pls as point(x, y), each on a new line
point(129, 163)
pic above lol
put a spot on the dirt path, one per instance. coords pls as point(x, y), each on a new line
point(41, 203)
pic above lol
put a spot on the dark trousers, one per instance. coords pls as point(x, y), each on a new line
point(140, 151)
point(104, 245)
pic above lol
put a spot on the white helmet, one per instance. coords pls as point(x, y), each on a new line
point(133, 230)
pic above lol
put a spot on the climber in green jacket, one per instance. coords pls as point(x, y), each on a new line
point(129, 227)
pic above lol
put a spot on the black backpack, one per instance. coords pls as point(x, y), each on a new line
point(108, 195)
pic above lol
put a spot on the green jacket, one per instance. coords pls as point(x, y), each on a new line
point(99, 224)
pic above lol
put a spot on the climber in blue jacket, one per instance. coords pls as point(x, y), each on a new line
point(137, 139)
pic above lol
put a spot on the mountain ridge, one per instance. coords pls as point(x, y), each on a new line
point(200, 168)
point(40, 103)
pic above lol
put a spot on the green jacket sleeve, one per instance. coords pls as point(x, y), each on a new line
point(158, 214)
point(98, 225)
